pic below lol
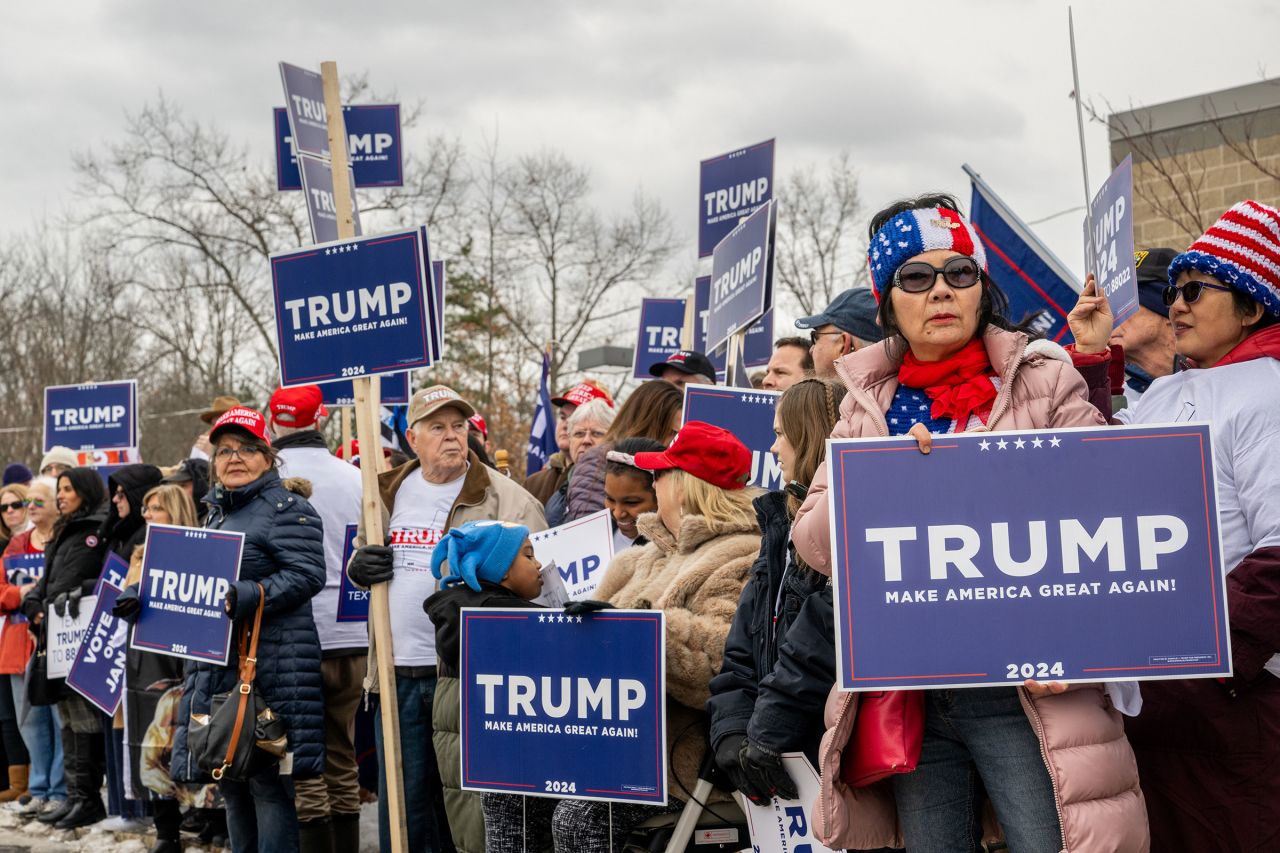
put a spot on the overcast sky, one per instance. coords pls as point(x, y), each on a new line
point(641, 91)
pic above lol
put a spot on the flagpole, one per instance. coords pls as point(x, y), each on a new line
point(1084, 160)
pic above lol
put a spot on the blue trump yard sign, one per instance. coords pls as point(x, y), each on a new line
point(322, 209)
point(741, 277)
point(661, 322)
point(393, 391)
point(186, 572)
point(304, 103)
point(373, 145)
point(24, 568)
point(353, 602)
point(565, 706)
point(746, 413)
point(97, 673)
point(351, 308)
point(757, 346)
point(101, 416)
point(1109, 254)
point(437, 307)
point(1011, 561)
point(730, 187)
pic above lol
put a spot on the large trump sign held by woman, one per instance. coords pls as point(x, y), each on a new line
point(1069, 555)
point(555, 705)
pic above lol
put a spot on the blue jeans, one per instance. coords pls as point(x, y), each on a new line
point(42, 733)
point(978, 738)
point(261, 817)
point(423, 792)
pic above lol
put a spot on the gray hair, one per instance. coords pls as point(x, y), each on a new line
point(596, 410)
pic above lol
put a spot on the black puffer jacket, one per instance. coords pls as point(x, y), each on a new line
point(283, 551)
point(120, 535)
point(762, 621)
point(73, 560)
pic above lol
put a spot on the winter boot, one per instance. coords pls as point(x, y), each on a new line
point(17, 782)
point(346, 832)
point(316, 836)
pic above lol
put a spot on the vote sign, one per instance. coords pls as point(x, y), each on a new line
point(186, 573)
point(97, 673)
point(393, 390)
point(322, 209)
point(100, 416)
point(581, 550)
point(353, 602)
point(373, 146)
point(1109, 249)
point(730, 187)
point(741, 277)
point(661, 322)
point(746, 413)
point(1068, 555)
point(351, 308)
point(565, 706)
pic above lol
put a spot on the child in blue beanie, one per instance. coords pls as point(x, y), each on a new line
point(481, 564)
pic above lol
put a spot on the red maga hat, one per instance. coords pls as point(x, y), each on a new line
point(239, 418)
point(583, 392)
point(705, 451)
point(297, 407)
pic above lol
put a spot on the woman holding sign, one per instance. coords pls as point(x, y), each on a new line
point(284, 553)
point(1056, 766)
point(1208, 751)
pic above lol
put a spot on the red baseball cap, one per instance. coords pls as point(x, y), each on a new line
point(477, 421)
point(705, 451)
point(583, 392)
point(351, 453)
point(239, 418)
point(297, 407)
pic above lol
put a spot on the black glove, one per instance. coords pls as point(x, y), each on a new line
point(763, 774)
point(60, 604)
point(73, 603)
point(727, 761)
point(128, 605)
point(582, 608)
point(31, 607)
point(371, 564)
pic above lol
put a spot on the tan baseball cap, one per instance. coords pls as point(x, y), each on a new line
point(428, 400)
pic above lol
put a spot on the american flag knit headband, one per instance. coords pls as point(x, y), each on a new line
point(920, 230)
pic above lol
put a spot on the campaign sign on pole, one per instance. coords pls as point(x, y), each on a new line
point(565, 706)
point(757, 346)
point(24, 568)
point(1073, 582)
point(730, 187)
point(322, 210)
point(786, 826)
point(114, 571)
point(661, 321)
point(103, 416)
point(748, 414)
point(437, 327)
point(1109, 250)
point(353, 602)
point(351, 308)
point(373, 139)
point(65, 633)
point(581, 550)
point(741, 277)
point(186, 572)
point(97, 673)
point(394, 391)
point(304, 103)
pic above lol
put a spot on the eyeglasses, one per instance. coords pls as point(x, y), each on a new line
point(13, 507)
point(814, 337)
point(919, 277)
point(1190, 291)
point(249, 451)
point(36, 502)
point(151, 510)
point(594, 433)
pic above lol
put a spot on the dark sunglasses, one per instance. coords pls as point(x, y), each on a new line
point(15, 506)
point(1190, 291)
point(919, 277)
point(815, 336)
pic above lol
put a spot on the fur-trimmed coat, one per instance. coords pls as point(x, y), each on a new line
point(695, 578)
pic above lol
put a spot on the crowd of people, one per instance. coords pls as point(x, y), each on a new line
point(742, 576)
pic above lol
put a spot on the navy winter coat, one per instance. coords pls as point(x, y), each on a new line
point(283, 551)
point(760, 625)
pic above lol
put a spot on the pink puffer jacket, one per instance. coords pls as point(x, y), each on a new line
point(1094, 774)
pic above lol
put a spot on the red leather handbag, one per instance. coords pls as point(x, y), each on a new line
point(887, 735)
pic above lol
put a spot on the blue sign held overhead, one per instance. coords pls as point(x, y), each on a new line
point(565, 706)
point(741, 277)
point(186, 573)
point(393, 391)
point(97, 673)
point(304, 103)
point(746, 413)
point(661, 322)
point(1135, 568)
point(322, 207)
point(91, 417)
point(353, 602)
point(373, 144)
point(1108, 252)
point(352, 308)
point(730, 187)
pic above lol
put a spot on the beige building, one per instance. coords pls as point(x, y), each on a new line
point(1193, 158)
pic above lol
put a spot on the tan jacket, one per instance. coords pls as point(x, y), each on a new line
point(696, 580)
point(485, 496)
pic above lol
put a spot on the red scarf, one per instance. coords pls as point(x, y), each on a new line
point(1263, 344)
point(959, 386)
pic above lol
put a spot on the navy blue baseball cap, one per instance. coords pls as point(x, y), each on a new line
point(1153, 276)
point(853, 311)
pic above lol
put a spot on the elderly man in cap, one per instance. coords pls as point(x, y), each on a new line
point(1147, 336)
point(846, 325)
point(444, 487)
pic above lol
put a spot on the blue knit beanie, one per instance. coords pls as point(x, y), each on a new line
point(478, 551)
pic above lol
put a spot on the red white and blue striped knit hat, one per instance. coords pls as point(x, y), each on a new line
point(1241, 249)
point(920, 230)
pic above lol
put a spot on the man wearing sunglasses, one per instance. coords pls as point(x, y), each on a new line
point(846, 325)
point(1147, 336)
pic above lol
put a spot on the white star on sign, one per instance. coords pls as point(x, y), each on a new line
point(984, 444)
point(1019, 443)
point(1037, 442)
point(326, 251)
point(1055, 441)
point(542, 618)
point(1002, 444)
point(579, 620)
